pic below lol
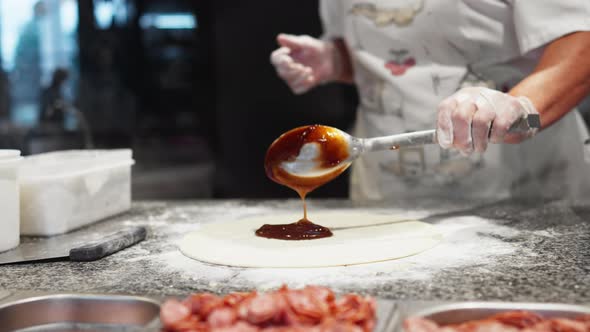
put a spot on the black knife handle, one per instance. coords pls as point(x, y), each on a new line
point(108, 245)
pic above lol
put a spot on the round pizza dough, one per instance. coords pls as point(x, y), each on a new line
point(359, 237)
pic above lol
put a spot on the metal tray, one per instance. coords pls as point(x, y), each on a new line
point(78, 312)
point(386, 310)
point(34, 311)
point(28, 311)
point(453, 313)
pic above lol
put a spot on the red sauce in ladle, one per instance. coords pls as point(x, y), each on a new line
point(332, 152)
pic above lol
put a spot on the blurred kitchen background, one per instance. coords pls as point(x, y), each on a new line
point(187, 84)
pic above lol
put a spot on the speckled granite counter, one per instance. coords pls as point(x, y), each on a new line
point(510, 251)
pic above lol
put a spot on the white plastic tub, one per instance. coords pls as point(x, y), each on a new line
point(9, 202)
point(65, 190)
point(9, 154)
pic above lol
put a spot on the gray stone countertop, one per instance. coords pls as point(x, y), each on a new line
point(509, 251)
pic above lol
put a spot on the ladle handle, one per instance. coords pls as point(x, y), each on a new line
point(419, 138)
point(395, 142)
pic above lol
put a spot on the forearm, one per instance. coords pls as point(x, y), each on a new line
point(345, 72)
point(561, 79)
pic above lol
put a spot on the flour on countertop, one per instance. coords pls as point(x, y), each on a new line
point(518, 251)
point(468, 241)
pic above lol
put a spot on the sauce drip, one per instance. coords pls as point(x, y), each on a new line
point(301, 230)
point(333, 151)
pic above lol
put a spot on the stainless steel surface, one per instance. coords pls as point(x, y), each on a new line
point(55, 247)
point(395, 142)
point(35, 311)
point(30, 311)
point(392, 323)
point(385, 312)
point(453, 313)
point(68, 312)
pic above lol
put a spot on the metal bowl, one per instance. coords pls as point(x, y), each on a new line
point(462, 312)
point(79, 313)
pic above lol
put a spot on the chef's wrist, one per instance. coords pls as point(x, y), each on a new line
point(342, 71)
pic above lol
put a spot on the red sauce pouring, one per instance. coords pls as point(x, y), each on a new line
point(332, 153)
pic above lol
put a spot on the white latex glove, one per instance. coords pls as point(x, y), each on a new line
point(472, 117)
point(305, 62)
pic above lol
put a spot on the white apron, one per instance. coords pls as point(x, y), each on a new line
point(408, 55)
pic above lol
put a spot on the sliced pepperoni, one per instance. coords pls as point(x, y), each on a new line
point(233, 299)
point(353, 308)
point(238, 327)
point(192, 325)
point(512, 321)
point(321, 293)
point(222, 317)
point(303, 303)
point(202, 304)
point(312, 309)
point(337, 326)
point(173, 312)
point(289, 316)
point(486, 326)
point(520, 319)
point(293, 328)
point(558, 325)
point(260, 309)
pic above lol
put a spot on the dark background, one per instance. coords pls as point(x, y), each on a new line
point(252, 105)
point(198, 105)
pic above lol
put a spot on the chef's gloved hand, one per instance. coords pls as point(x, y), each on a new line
point(472, 117)
point(305, 62)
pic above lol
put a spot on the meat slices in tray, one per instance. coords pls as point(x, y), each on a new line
point(511, 321)
point(309, 309)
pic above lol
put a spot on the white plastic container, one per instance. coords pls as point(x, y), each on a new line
point(9, 202)
point(65, 190)
point(9, 154)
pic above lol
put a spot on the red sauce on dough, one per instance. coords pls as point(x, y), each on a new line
point(333, 151)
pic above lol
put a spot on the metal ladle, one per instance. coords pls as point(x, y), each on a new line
point(308, 161)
